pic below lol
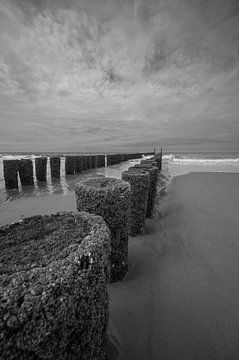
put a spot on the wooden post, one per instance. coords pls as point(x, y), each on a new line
point(88, 162)
point(54, 301)
point(78, 164)
point(109, 198)
point(94, 161)
point(10, 168)
point(153, 172)
point(55, 164)
point(84, 163)
point(25, 168)
point(70, 165)
point(40, 167)
point(139, 183)
point(161, 159)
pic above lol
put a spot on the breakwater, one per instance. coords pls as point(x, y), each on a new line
point(29, 171)
point(114, 200)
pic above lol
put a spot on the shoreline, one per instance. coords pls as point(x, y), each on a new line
point(180, 297)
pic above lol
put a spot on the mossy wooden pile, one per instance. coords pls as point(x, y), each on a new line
point(10, 170)
point(88, 162)
point(40, 167)
point(153, 172)
point(139, 182)
point(109, 198)
point(25, 168)
point(94, 162)
point(55, 165)
point(158, 159)
point(78, 164)
point(53, 298)
point(100, 161)
point(84, 162)
point(70, 165)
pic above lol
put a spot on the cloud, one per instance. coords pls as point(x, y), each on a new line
point(117, 68)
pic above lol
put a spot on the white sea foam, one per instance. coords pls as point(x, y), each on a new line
point(17, 157)
point(193, 160)
point(180, 164)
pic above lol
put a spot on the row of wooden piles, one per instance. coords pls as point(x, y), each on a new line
point(54, 269)
point(73, 165)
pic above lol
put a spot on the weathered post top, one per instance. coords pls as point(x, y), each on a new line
point(53, 275)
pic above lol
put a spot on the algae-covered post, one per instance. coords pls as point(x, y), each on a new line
point(78, 164)
point(84, 163)
point(40, 167)
point(93, 161)
point(160, 159)
point(10, 169)
point(153, 172)
point(108, 159)
point(70, 165)
point(99, 163)
point(109, 198)
point(25, 168)
point(103, 160)
point(89, 162)
point(55, 164)
point(53, 279)
point(139, 182)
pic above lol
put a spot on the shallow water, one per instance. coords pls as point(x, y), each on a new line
point(173, 165)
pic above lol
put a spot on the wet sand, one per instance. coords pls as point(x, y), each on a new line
point(180, 298)
point(39, 205)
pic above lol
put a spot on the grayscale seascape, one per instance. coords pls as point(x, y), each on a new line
point(119, 179)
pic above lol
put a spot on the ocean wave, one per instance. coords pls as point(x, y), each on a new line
point(17, 157)
point(200, 160)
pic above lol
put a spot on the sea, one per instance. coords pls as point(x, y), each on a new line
point(174, 164)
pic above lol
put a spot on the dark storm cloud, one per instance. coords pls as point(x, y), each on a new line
point(130, 67)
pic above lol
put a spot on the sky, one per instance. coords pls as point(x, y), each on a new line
point(119, 75)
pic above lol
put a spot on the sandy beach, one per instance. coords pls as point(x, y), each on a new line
point(180, 298)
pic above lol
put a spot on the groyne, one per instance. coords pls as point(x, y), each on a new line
point(74, 164)
point(56, 280)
